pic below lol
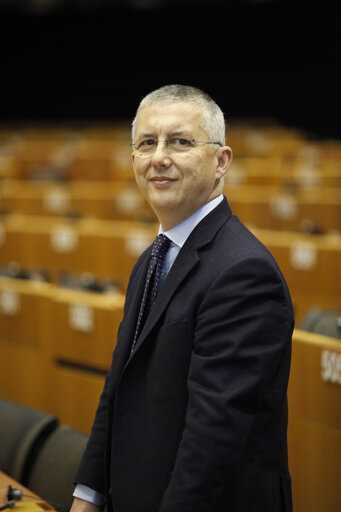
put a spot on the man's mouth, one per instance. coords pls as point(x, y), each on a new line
point(162, 180)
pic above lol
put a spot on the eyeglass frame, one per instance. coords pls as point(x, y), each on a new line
point(132, 144)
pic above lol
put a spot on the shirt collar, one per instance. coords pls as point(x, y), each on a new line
point(179, 233)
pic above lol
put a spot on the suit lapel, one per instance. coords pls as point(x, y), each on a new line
point(131, 311)
point(186, 260)
point(185, 263)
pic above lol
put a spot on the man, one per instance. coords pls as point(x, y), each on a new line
point(193, 414)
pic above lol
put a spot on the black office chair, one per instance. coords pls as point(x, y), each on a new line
point(326, 322)
point(22, 432)
point(53, 472)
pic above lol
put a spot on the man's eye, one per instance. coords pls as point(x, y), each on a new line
point(147, 142)
point(181, 142)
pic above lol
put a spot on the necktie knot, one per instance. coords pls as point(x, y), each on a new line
point(160, 247)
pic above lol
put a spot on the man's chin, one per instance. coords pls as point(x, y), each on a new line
point(164, 199)
point(165, 206)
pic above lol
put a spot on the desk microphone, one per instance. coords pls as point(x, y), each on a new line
point(13, 494)
point(9, 504)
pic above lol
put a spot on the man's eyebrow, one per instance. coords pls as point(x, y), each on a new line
point(149, 135)
point(146, 136)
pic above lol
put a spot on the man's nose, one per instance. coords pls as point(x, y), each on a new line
point(161, 154)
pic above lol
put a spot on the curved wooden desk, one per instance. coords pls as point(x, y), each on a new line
point(30, 501)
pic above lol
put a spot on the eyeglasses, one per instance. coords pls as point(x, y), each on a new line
point(147, 147)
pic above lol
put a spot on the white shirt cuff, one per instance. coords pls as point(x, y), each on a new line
point(87, 494)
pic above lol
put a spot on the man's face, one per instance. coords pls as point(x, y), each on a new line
point(175, 183)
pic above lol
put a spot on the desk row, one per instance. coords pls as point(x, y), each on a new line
point(269, 207)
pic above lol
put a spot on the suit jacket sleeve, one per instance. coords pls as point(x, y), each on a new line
point(243, 327)
point(91, 471)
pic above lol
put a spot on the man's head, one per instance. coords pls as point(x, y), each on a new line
point(179, 154)
point(212, 118)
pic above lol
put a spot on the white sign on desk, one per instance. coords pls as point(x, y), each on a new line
point(331, 366)
point(9, 302)
point(81, 317)
point(64, 239)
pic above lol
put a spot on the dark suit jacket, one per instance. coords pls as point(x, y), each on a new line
point(195, 419)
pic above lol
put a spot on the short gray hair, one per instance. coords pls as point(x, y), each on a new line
point(212, 118)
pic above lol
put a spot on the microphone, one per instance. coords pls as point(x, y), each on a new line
point(13, 494)
point(9, 504)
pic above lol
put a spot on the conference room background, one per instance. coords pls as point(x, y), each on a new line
point(72, 73)
point(94, 60)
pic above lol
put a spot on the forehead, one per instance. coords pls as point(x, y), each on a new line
point(169, 117)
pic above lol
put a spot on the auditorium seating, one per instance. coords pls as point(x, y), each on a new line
point(264, 206)
point(23, 430)
point(51, 475)
point(81, 153)
point(38, 452)
point(314, 434)
point(105, 249)
point(108, 250)
point(284, 209)
point(55, 344)
point(84, 326)
point(119, 200)
point(276, 171)
point(79, 389)
point(311, 265)
point(323, 321)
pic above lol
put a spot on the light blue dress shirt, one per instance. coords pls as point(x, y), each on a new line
point(178, 236)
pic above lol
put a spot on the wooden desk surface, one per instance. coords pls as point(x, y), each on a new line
point(28, 496)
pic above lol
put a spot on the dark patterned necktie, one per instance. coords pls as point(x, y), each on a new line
point(153, 279)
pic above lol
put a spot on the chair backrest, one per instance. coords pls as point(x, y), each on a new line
point(324, 322)
point(22, 432)
point(52, 474)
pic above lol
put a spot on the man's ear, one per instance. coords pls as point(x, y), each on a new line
point(224, 157)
